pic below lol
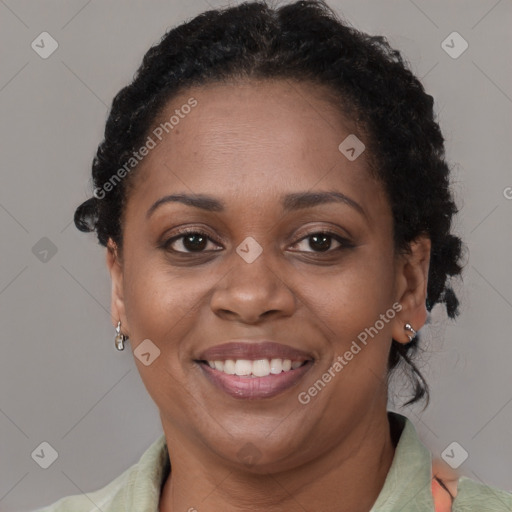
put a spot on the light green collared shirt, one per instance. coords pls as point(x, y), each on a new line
point(407, 487)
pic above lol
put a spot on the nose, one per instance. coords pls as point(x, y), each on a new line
point(252, 292)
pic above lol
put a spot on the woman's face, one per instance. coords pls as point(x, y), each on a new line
point(260, 269)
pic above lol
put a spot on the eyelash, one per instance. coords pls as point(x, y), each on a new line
point(344, 243)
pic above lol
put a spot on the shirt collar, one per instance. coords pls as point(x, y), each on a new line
point(408, 482)
point(146, 482)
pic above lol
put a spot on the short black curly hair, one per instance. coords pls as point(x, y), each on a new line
point(304, 41)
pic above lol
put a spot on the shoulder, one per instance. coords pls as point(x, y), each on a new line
point(136, 488)
point(411, 474)
point(474, 496)
point(102, 499)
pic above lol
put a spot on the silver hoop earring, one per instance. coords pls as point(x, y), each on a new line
point(120, 338)
point(409, 328)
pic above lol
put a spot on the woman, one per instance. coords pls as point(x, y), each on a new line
point(274, 200)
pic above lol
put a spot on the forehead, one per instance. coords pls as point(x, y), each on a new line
point(250, 137)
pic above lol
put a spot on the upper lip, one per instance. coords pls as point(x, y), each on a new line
point(251, 350)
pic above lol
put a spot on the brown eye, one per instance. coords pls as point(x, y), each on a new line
point(322, 242)
point(188, 242)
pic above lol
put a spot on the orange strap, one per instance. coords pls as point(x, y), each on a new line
point(442, 498)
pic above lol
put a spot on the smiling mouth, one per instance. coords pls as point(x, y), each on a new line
point(254, 368)
point(254, 379)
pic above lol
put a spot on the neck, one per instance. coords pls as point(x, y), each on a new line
point(347, 478)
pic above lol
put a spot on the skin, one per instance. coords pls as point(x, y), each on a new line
point(248, 144)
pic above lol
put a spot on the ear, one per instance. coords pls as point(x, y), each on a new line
point(115, 267)
point(411, 285)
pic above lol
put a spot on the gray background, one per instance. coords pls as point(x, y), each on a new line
point(61, 379)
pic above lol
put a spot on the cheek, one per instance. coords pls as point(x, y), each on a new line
point(159, 302)
point(355, 313)
point(166, 304)
point(353, 297)
point(162, 307)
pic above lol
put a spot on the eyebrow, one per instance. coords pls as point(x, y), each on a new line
point(290, 202)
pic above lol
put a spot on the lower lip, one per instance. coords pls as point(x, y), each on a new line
point(255, 387)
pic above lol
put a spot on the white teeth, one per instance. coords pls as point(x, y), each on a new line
point(261, 368)
point(243, 367)
point(229, 367)
point(276, 366)
point(258, 368)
